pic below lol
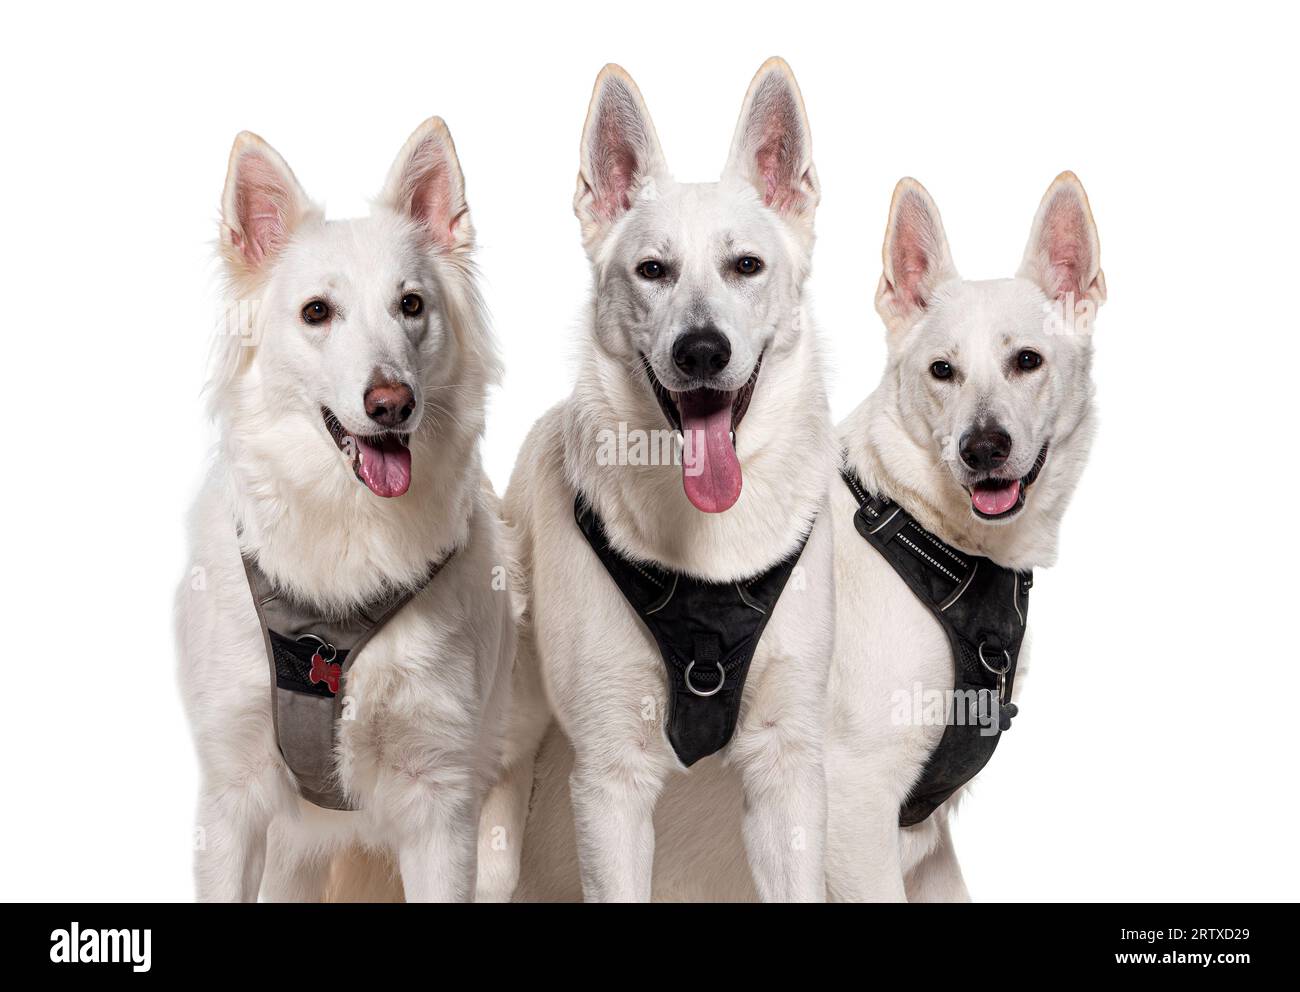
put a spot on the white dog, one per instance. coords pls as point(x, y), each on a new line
point(351, 403)
point(698, 325)
point(979, 429)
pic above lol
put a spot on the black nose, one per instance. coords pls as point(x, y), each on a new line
point(702, 352)
point(389, 403)
point(985, 448)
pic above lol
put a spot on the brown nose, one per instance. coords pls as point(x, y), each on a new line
point(390, 403)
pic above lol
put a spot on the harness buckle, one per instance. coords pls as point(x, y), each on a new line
point(722, 678)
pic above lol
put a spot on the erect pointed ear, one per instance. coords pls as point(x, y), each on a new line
point(916, 256)
point(260, 207)
point(425, 184)
point(620, 152)
point(772, 146)
point(1064, 254)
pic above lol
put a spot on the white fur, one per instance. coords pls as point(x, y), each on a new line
point(430, 690)
point(884, 639)
point(584, 656)
point(900, 442)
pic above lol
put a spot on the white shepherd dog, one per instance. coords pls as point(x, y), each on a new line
point(350, 405)
point(698, 324)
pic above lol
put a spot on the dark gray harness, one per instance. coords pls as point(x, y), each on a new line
point(309, 652)
point(982, 608)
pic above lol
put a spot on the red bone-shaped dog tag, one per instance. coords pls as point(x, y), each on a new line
point(325, 671)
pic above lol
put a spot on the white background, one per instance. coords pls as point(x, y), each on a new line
point(1155, 757)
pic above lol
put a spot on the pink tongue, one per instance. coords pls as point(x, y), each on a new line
point(710, 470)
point(991, 502)
point(385, 467)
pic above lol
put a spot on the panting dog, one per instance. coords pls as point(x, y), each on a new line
point(678, 610)
point(345, 632)
point(958, 469)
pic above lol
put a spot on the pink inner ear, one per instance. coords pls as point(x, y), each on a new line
point(618, 135)
point(615, 171)
point(912, 251)
point(427, 191)
point(1064, 244)
point(263, 208)
point(777, 138)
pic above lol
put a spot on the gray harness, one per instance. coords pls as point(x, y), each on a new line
point(309, 651)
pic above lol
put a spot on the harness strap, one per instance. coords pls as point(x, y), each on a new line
point(982, 608)
point(309, 651)
point(707, 633)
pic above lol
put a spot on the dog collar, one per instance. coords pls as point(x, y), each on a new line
point(982, 608)
point(707, 633)
point(309, 650)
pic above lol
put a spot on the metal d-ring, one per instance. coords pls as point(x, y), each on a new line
point(324, 646)
point(722, 677)
point(1006, 656)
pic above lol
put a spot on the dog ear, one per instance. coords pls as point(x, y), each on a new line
point(261, 206)
point(1064, 254)
point(620, 152)
point(916, 256)
point(425, 184)
point(772, 146)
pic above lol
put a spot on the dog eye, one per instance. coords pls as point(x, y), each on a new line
point(316, 312)
point(1028, 360)
point(412, 305)
point(941, 370)
point(650, 269)
point(748, 265)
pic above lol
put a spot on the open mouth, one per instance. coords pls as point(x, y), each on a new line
point(997, 499)
point(381, 462)
point(707, 420)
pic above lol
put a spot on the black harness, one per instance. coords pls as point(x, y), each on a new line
point(983, 608)
point(707, 633)
point(309, 652)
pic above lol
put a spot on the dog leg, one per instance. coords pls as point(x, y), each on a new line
point(613, 812)
point(505, 810)
point(437, 856)
point(501, 827)
point(863, 856)
point(295, 871)
point(938, 877)
point(230, 840)
point(784, 826)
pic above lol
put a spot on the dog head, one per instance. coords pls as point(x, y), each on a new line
point(696, 282)
point(994, 376)
point(354, 319)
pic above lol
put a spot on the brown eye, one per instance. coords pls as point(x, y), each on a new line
point(748, 265)
point(1028, 360)
point(650, 269)
point(316, 312)
point(412, 305)
point(941, 370)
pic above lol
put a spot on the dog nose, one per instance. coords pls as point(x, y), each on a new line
point(702, 352)
point(985, 448)
point(389, 403)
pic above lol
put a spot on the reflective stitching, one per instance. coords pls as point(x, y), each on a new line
point(744, 598)
point(940, 545)
point(932, 561)
point(882, 523)
point(667, 599)
point(646, 574)
point(966, 585)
